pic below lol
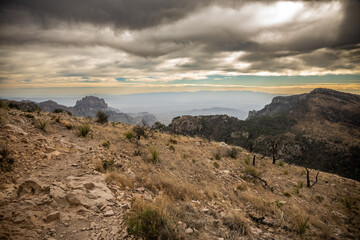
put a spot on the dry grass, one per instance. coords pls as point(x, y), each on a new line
point(114, 177)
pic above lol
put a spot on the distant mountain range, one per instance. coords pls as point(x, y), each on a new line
point(320, 129)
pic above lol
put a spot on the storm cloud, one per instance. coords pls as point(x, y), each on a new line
point(168, 40)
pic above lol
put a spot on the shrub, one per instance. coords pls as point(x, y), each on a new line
point(119, 179)
point(286, 172)
point(106, 144)
point(154, 155)
point(129, 135)
point(98, 165)
point(298, 186)
point(172, 148)
point(302, 226)
point(247, 160)
point(216, 165)
point(108, 164)
point(42, 124)
point(14, 106)
point(172, 141)
point(217, 155)
point(287, 194)
point(348, 202)
point(68, 125)
point(232, 152)
point(159, 126)
point(6, 161)
point(84, 130)
point(28, 115)
point(281, 163)
point(58, 110)
point(236, 224)
point(241, 187)
point(319, 198)
point(102, 117)
point(147, 222)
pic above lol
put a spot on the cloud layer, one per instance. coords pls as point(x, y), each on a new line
point(163, 41)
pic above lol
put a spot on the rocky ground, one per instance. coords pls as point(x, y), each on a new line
point(64, 186)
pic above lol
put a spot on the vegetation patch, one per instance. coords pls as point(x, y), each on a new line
point(148, 222)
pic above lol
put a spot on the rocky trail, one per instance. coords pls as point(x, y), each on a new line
point(55, 194)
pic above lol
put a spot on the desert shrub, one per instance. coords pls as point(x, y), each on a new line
point(172, 148)
point(185, 156)
point(148, 222)
point(58, 110)
point(236, 224)
point(172, 141)
point(159, 126)
point(98, 165)
point(286, 172)
point(42, 124)
point(348, 202)
point(247, 160)
point(241, 187)
point(129, 135)
point(68, 126)
point(287, 194)
point(154, 155)
point(281, 163)
point(57, 120)
point(102, 117)
point(106, 144)
point(6, 161)
point(84, 130)
point(319, 198)
point(108, 164)
point(13, 105)
point(2, 105)
point(302, 225)
point(28, 115)
point(119, 179)
point(232, 152)
point(137, 153)
point(251, 171)
point(216, 165)
point(217, 154)
point(299, 186)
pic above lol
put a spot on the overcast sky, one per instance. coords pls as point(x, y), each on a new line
point(135, 46)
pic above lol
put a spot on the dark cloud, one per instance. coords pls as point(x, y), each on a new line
point(133, 14)
point(321, 34)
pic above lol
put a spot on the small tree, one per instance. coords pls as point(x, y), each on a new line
point(102, 117)
point(254, 160)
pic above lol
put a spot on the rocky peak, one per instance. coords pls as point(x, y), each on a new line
point(90, 102)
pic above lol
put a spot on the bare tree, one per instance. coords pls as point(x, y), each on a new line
point(254, 160)
point(274, 148)
point(308, 178)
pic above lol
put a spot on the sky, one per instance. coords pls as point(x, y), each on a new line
point(82, 47)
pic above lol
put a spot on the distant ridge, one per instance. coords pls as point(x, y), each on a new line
point(320, 129)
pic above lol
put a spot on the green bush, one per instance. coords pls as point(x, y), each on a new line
point(102, 117)
point(154, 155)
point(108, 164)
point(148, 223)
point(172, 148)
point(84, 130)
point(129, 135)
point(106, 144)
point(247, 160)
point(281, 163)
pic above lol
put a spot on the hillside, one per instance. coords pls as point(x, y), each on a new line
point(320, 130)
point(57, 184)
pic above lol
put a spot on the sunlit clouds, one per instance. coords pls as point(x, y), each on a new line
point(157, 45)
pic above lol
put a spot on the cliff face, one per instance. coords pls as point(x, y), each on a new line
point(278, 105)
point(320, 129)
point(90, 103)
